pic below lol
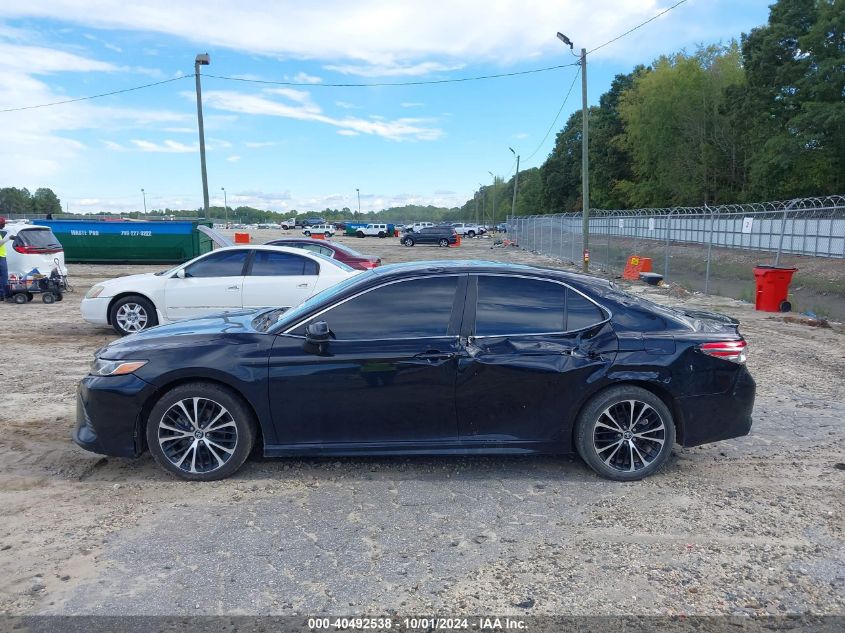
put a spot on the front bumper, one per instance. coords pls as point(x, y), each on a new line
point(108, 414)
point(715, 417)
point(96, 310)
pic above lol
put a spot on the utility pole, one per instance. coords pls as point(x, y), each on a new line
point(225, 207)
point(515, 183)
point(585, 157)
point(202, 60)
point(143, 193)
point(358, 191)
point(476, 207)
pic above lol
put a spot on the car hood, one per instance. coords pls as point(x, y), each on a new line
point(188, 332)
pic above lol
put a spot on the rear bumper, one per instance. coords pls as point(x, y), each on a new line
point(710, 418)
point(108, 412)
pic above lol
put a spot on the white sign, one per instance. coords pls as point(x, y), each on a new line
point(621, 224)
point(747, 224)
point(651, 224)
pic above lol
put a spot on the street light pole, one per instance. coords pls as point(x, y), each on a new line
point(143, 193)
point(515, 183)
point(225, 207)
point(585, 156)
point(358, 191)
point(202, 60)
point(493, 214)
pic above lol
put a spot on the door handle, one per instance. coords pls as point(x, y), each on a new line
point(305, 285)
point(435, 355)
point(233, 288)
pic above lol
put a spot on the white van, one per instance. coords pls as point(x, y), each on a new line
point(34, 248)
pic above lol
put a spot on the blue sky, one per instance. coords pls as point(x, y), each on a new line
point(309, 146)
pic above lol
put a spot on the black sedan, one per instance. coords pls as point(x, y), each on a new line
point(439, 235)
point(425, 358)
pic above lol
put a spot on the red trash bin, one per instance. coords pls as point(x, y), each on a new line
point(773, 288)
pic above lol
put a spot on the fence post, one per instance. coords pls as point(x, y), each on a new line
point(668, 235)
point(782, 231)
point(709, 250)
point(608, 228)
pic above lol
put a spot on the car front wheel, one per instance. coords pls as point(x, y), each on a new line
point(471, 234)
point(625, 433)
point(200, 431)
point(360, 234)
point(132, 314)
point(408, 241)
point(444, 242)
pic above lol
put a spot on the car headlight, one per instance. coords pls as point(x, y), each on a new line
point(94, 292)
point(104, 367)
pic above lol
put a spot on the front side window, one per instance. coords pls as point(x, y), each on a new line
point(272, 264)
point(220, 264)
point(418, 308)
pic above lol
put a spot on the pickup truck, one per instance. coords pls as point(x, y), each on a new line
point(469, 230)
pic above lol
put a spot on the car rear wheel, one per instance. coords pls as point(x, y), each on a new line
point(470, 233)
point(200, 431)
point(132, 314)
point(444, 242)
point(408, 241)
point(307, 233)
point(625, 433)
point(360, 234)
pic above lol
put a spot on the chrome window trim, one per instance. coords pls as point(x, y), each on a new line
point(368, 290)
point(555, 332)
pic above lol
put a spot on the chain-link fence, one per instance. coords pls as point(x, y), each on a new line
point(711, 249)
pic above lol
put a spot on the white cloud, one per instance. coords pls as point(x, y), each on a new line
point(168, 146)
point(346, 105)
point(348, 133)
point(233, 159)
point(304, 109)
point(257, 144)
point(304, 78)
point(412, 104)
point(521, 135)
point(37, 60)
point(393, 69)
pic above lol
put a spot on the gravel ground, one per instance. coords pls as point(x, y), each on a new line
point(747, 526)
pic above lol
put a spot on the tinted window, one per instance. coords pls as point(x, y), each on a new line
point(514, 305)
point(409, 309)
point(580, 312)
point(222, 264)
point(270, 264)
point(39, 238)
point(316, 248)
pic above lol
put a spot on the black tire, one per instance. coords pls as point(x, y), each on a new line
point(360, 234)
point(382, 234)
point(48, 298)
point(600, 440)
point(29, 296)
point(408, 241)
point(307, 233)
point(470, 233)
point(785, 306)
point(123, 322)
point(59, 296)
point(180, 447)
point(20, 298)
point(443, 242)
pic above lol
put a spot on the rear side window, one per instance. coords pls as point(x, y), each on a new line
point(220, 264)
point(515, 305)
point(418, 308)
point(270, 264)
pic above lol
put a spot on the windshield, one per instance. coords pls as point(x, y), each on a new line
point(292, 315)
point(38, 239)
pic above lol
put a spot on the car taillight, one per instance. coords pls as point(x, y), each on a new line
point(36, 250)
point(368, 265)
point(734, 351)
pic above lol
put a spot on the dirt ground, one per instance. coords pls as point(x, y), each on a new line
point(748, 526)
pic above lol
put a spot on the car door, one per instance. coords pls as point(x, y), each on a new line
point(278, 279)
point(386, 378)
point(533, 346)
point(211, 284)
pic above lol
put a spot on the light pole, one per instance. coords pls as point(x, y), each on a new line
point(143, 193)
point(482, 195)
point(585, 158)
point(202, 60)
point(515, 182)
point(358, 191)
point(493, 214)
point(225, 206)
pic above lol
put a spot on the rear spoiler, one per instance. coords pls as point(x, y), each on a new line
point(709, 316)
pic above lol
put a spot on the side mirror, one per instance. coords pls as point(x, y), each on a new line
point(180, 273)
point(318, 333)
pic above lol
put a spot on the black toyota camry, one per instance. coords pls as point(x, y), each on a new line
point(452, 357)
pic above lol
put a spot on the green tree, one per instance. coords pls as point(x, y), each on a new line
point(45, 201)
point(14, 200)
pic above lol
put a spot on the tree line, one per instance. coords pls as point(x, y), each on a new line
point(21, 201)
point(760, 119)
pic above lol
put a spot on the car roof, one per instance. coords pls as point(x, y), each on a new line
point(473, 266)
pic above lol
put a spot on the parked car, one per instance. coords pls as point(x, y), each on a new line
point(474, 357)
point(34, 248)
point(312, 222)
point(373, 230)
point(335, 250)
point(228, 279)
point(417, 226)
point(440, 235)
point(502, 227)
point(319, 229)
point(287, 224)
point(469, 230)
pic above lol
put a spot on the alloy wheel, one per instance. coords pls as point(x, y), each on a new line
point(629, 435)
point(132, 317)
point(197, 435)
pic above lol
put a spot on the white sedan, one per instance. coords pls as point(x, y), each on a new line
point(225, 280)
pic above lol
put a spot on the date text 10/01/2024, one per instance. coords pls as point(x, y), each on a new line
point(416, 623)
